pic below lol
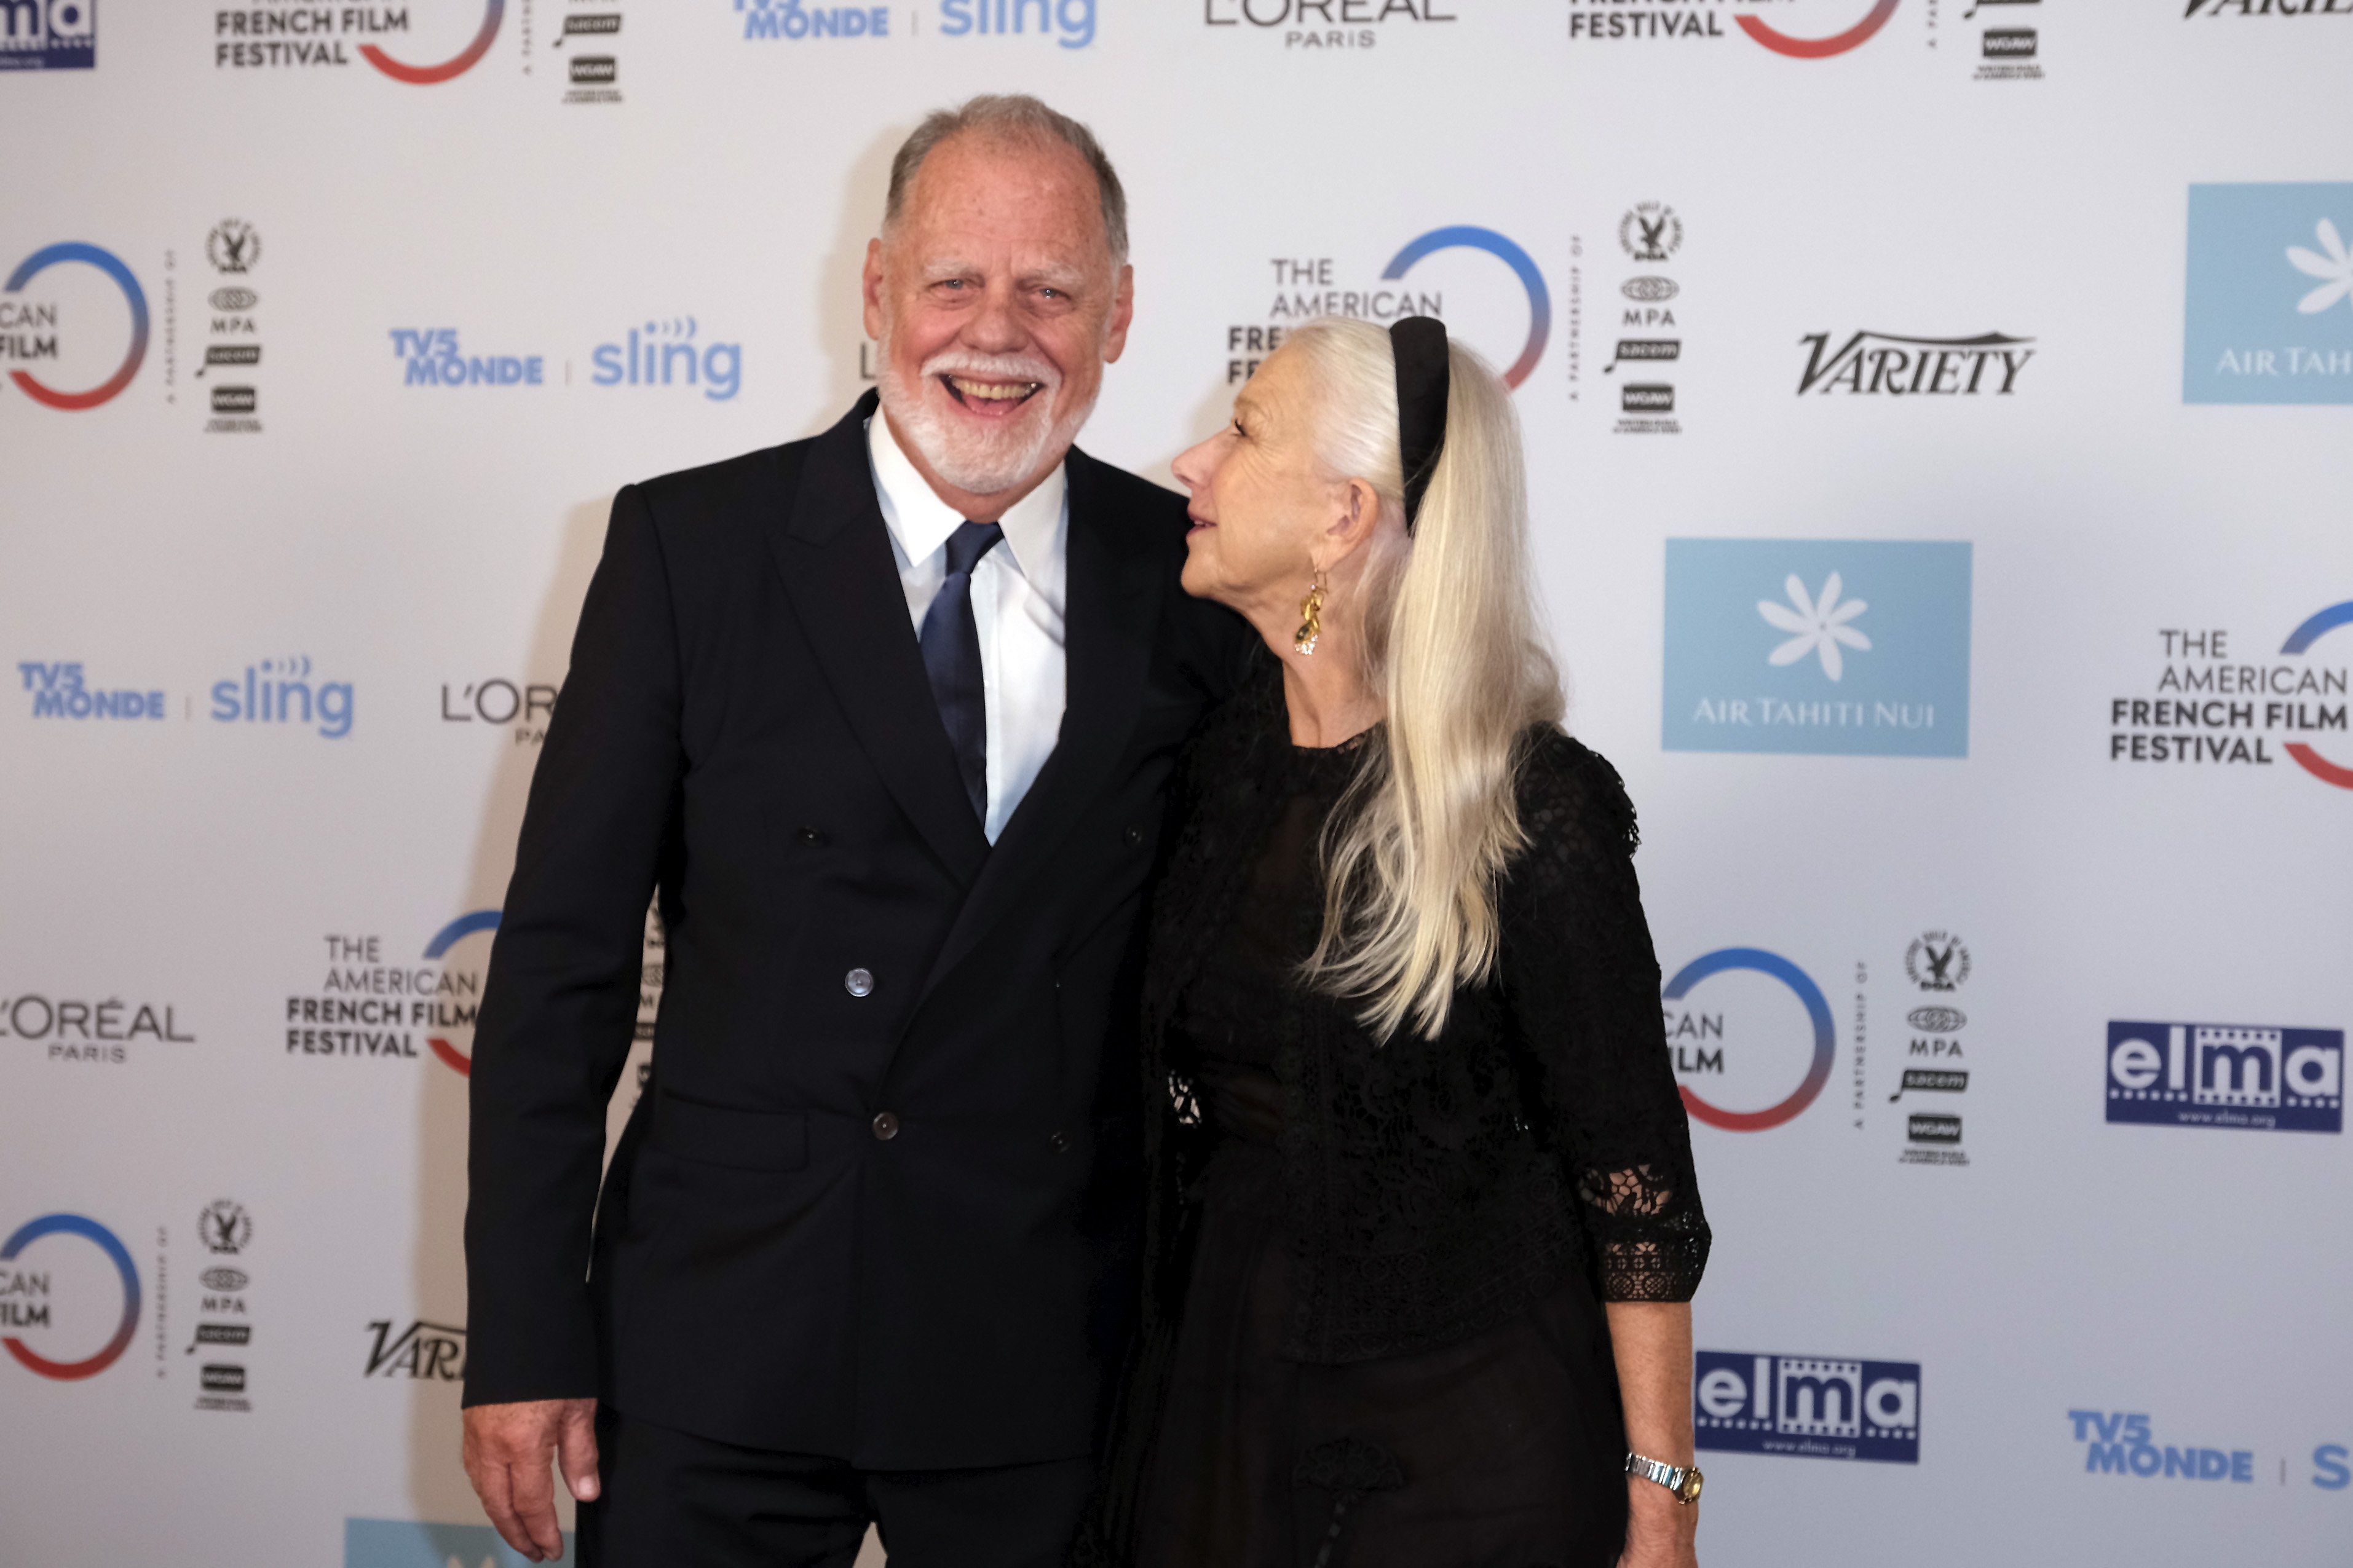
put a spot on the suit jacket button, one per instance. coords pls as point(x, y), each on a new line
point(810, 836)
point(1134, 837)
point(886, 1126)
point(859, 983)
point(1060, 1143)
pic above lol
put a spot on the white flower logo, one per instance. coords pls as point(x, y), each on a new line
point(1817, 626)
point(2337, 266)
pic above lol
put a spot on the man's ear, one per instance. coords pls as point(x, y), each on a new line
point(1122, 311)
point(870, 286)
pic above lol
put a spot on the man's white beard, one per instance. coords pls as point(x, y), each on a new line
point(984, 462)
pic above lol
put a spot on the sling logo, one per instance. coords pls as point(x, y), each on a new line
point(2227, 1075)
point(1820, 1407)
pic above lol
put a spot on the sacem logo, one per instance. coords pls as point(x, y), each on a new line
point(26, 1295)
point(458, 65)
point(1523, 265)
point(1853, 38)
point(1817, 1407)
point(106, 262)
point(1823, 1038)
point(2227, 1075)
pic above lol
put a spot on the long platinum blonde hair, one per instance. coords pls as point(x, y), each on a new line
point(1453, 646)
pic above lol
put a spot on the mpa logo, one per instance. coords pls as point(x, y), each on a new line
point(32, 329)
point(1819, 1407)
point(49, 1289)
point(1765, 1040)
point(2119, 1443)
point(2227, 1075)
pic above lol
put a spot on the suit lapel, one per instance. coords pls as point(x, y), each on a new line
point(1114, 588)
point(834, 553)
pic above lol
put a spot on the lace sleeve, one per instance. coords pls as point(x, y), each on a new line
point(1583, 984)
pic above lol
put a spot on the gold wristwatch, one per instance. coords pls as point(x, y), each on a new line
point(1681, 1480)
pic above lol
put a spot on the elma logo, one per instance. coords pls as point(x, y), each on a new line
point(1852, 647)
point(410, 1543)
point(2269, 311)
point(2118, 1444)
point(49, 35)
point(2227, 1075)
point(1761, 1042)
point(28, 1292)
point(30, 328)
point(1817, 1407)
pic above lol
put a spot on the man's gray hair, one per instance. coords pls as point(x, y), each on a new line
point(1010, 117)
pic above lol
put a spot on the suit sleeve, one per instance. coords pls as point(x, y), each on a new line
point(560, 1006)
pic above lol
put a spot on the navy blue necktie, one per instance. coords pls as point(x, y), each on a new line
point(952, 657)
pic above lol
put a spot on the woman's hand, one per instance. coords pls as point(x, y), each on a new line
point(1659, 1530)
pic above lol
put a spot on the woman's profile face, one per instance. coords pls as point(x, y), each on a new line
point(1259, 502)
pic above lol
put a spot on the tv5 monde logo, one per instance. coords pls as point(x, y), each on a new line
point(1820, 1407)
point(2227, 1075)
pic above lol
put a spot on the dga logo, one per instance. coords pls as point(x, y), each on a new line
point(59, 691)
point(1820, 1407)
point(30, 330)
point(664, 354)
point(2269, 311)
point(224, 1227)
point(49, 35)
point(1304, 290)
point(1886, 365)
point(409, 1543)
point(233, 246)
point(280, 691)
point(1763, 1039)
point(1612, 20)
point(2119, 1443)
point(1650, 232)
point(429, 356)
point(2227, 1075)
point(28, 1293)
point(1856, 648)
point(2210, 709)
point(368, 1009)
point(1937, 960)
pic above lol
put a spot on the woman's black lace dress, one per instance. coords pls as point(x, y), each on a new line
point(1372, 1330)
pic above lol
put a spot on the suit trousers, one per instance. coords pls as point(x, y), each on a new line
point(673, 1500)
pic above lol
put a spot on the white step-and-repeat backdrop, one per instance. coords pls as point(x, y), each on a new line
point(1938, 414)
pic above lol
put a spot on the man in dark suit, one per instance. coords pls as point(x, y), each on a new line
point(884, 719)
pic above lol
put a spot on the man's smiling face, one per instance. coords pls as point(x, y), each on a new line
point(997, 301)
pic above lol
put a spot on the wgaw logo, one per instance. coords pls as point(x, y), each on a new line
point(2227, 1075)
point(1819, 1407)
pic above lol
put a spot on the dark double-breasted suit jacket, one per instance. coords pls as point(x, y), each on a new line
point(877, 1202)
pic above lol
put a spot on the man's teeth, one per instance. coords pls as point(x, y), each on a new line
point(992, 391)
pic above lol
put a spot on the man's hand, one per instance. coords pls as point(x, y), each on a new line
point(1660, 1530)
point(507, 1450)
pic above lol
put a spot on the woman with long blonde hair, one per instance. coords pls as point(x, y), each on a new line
point(1423, 1229)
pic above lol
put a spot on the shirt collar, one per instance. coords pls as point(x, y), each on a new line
point(921, 522)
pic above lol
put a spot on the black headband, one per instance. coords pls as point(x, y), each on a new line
point(1422, 378)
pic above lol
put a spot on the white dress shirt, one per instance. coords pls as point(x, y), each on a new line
point(1016, 608)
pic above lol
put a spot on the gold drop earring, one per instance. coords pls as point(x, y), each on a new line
point(1311, 614)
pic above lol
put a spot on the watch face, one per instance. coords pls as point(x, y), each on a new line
point(1689, 1490)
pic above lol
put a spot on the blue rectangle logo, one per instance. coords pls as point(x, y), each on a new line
point(412, 1544)
point(1846, 648)
point(1815, 1407)
point(2269, 315)
point(2227, 1075)
point(49, 35)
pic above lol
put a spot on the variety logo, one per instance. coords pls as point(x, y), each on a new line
point(61, 692)
point(289, 33)
point(279, 692)
point(2210, 709)
point(30, 328)
point(366, 1008)
point(432, 1353)
point(2120, 1444)
point(2227, 1075)
point(1307, 24)
point(1886, 365)
point(84, 1031)
point(2269, 308)
point(1820, 1407)
point(664, 354)
point(1305, 290)
point(49, 35)
point(408, 1544)
point(2216, 8)
point(1764, 1040)
point(29, 1299)
point(429, 356)
point(1850, 647)
point(1651, 19)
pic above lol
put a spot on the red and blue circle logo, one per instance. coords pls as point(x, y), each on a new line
point(1466, 236)
point(91, 1231)
point(448, 937)
point(1818, 1011)
point(2303, 638)
point(1781, 43)
point(456, 65)
point(105, 261)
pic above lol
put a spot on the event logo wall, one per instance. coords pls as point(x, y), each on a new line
point(2227, 1075)
point(1855, 648)
point(1306, 288)
point(29, 1297)
point(32, 330)
point(2208, 706)
point(2268, 312)
point(1695, 1023)
point(1817, 1407)
point(1613, 19)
